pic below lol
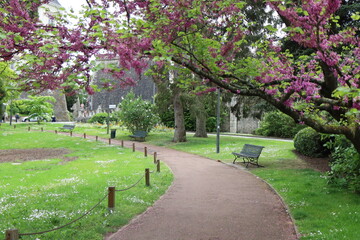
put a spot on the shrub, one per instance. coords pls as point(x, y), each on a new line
point(309, 143)
point(278, 124)
point(137, 114)
point(190, 121)
point(101, 118)
point(345, 164)
point(211, 124)
point(345, 168)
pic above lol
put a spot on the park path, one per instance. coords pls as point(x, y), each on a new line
point(209, 200)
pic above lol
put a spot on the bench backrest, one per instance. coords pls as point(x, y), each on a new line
point(140, 133)
point(68, 126)
point(253, 150)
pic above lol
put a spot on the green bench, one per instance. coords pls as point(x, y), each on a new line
point(250, 154)
point(67, 127)
point(139, 136)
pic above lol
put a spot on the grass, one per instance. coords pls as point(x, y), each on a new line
point(43, 194)
point(320, 211)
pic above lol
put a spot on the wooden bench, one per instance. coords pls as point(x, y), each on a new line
point(67, 127)
point(250, 154)
point(139, 136)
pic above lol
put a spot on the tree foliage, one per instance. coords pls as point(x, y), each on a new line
point(7, 84)
point(40, 107)
point(319, 86)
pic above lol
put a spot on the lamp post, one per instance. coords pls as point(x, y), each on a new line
point(218, 122)
point(108, 118)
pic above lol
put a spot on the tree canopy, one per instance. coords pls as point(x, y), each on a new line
point(318, 86)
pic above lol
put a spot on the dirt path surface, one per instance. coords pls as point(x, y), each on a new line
point(209, 200)
point(20, 155)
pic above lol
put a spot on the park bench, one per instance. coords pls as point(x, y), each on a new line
point(67, 127)
point(139, 135)
point(250, 154)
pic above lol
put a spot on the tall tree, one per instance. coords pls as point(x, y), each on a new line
point(167, 81)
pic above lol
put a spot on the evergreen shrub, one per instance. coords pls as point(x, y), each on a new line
point(211, 124)
point(278, 124)
point(345, 164)
point(101, 118)
point(309, 143)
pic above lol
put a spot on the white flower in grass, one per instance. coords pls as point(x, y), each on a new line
point(56, 195)
point(44, 214)
point(105, 162)
point(72, 180)
point(134, 199)
point(5, 208)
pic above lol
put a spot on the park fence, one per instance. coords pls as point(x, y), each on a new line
point(14, 234)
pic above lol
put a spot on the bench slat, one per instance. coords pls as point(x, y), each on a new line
point(139, 135)
point(67, 127)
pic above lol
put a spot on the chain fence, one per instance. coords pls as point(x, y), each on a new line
point(13, 234)
point(67, 224)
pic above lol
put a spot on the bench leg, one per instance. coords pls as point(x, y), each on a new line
point(247, 162)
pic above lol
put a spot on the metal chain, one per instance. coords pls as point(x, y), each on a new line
point(67, 224)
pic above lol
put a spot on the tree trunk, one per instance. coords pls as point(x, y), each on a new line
point(180, 132)
point(200, 114)
point(354, 137)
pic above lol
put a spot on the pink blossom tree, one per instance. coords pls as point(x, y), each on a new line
point(319, 87)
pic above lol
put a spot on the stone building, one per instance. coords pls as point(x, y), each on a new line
point(241, 124)
point(100, 101)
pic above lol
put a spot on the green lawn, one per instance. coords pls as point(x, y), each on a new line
point(43, 194)
point(320, 211)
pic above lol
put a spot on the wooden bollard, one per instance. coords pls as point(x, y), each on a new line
point(155, 157)
point(84, 135)
point(42, 129)
point(147, 176)
point(55, 131)
point(97, 138)
point(158, 165)
point(14, 126)
point(12, 234)
point(145, 151)
point(28, 128)
point(122, 143)
point(111, 198)
point(109, 141)
point(133, 147)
